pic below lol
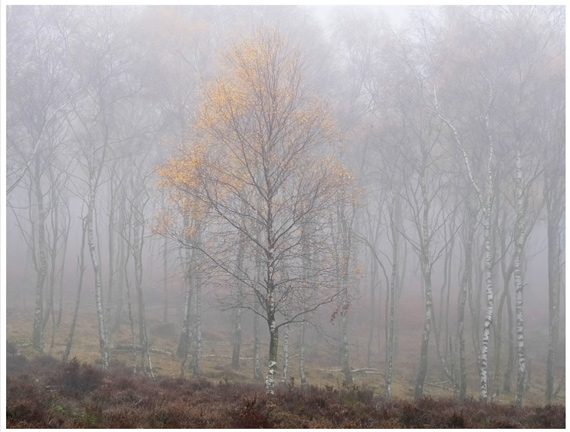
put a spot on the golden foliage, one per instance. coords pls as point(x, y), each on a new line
point(259, 135)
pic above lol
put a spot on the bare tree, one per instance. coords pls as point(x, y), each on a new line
point(259, 133)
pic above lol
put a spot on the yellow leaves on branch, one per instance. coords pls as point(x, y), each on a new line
point(260, 131)
point(182, 172)
point(180, 175)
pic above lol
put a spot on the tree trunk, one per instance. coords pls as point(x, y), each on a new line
point(418, 392)
point(186, 335)
point(484, 391)
point(236, 313)
point(103, 344)
point(554, 212)
point(302, 351)
point(197, 331)
point(511, 359)
point(427, 290)
point(273, 346)
point(285, 372)
point(391, 297)
point(465, 281)
point(138, 239)
point(165, 276)
point(81, 262)
point(236, 336)
point(373, 278)
point(38, 331)
point(345, 352)
point(257, 374)
point(519, 239)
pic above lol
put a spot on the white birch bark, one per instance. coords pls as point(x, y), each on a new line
point(553, 191)
point(273, 346)
point(519, 240)
point(484, 390)
point(285, 371)
point(257, 374)
point(486, 206)
point(103, 343)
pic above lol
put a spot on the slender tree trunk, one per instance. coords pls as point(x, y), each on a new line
point(285, 372)
point(511, 358)
point(554, 212)
point(345, 226)
point(373, 278)
point(121, 270)
point(419, 388)
point(186, 335)
point(403, 261)
point(38, 331)
point(165, 276)
point(62, 269)
point(306, 251)
point(427, 290)
point(197, 331)
point(519, 239)
point(302, 351)
point(507, 273)
point(273, 343)
point(465, 281)
point(236, 313)
point(131, 324)
point(257, 374)
point(489, 313)
point(53, 264)
point(345, 351)
point(391, 297)
point(486, 206)
point(53, 250)
point(236, 336)
point(81, 263)
point(111, 257)
point(103, 344)
point(138, 235)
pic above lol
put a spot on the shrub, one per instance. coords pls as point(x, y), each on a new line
point(251, 415)
point(77, 380)
point(48, 393)
point(25, 413)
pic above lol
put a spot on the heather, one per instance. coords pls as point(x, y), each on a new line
point(44, 392)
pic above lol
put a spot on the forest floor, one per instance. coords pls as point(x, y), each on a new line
point(44, 392)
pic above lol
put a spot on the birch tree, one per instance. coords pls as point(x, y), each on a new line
point(256, 146)
point(41, 87)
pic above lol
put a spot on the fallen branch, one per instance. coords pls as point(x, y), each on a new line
point(127, 347)
point(438, 385)
point(226, 356)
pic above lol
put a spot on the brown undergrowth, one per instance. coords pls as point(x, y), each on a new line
point(44, 392)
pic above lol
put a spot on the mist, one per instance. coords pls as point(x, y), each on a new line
point(291, 195)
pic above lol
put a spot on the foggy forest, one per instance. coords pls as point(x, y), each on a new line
point(348, 200)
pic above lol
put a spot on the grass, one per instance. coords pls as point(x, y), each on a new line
point(321, 368)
